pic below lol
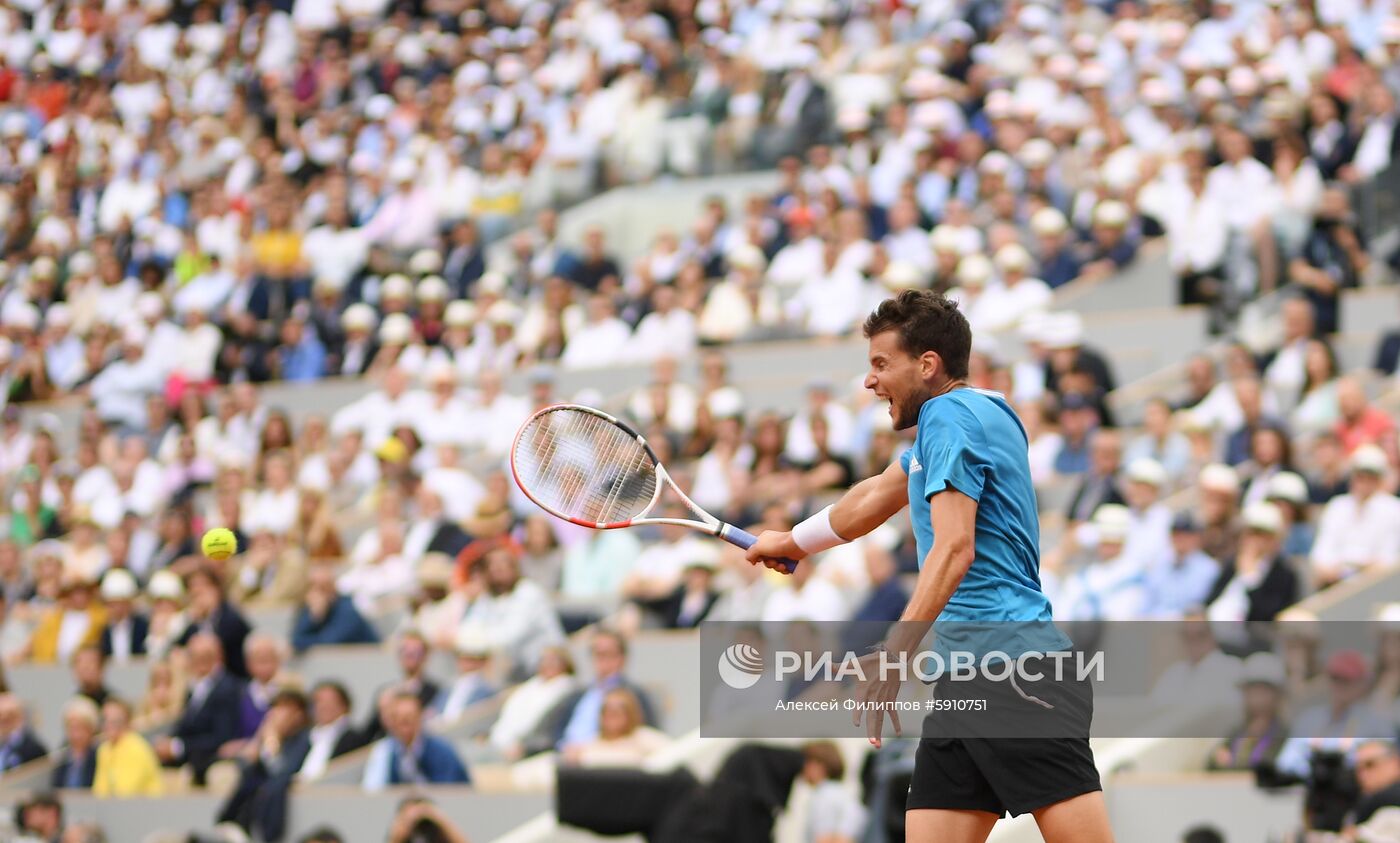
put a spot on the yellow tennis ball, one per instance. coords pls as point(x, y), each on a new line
point(219, 543)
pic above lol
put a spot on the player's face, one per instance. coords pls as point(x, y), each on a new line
point(898, 378)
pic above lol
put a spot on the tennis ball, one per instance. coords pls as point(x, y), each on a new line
point(219, 543)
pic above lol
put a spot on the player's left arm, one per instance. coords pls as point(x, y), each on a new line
point(954, 518)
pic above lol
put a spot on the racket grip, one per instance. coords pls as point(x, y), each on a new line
point(745, 539)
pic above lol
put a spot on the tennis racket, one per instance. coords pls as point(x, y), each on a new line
point(589, 468)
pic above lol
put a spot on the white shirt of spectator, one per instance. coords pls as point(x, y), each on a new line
point(323, 741)
point(597, 344)
point(1242, 190)
point(840, 425)
point(519, 624)
point(1352, 534)
point(1212, 680)
point(525, 707)
point(334, 254)
point(834, 812)
point(817, 601)
point(795, 263)
point(1102, 590)
point(1003, 306)
point(681, 406)
point(670, 334)
point(830, 303)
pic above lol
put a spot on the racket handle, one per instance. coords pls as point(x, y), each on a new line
point(745, 539)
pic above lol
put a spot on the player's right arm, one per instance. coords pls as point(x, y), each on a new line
point(865, 506)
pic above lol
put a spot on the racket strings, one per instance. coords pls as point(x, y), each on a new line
point(585, 467)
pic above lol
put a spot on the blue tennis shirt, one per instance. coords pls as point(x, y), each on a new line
point(971, 440)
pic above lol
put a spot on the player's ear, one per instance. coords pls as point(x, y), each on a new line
point(930, 364)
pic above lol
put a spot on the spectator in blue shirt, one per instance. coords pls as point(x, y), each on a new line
point(301, 356)
point(407, 755)
point(328, 617)
point(1054, 247)
point(1078, 419)
point(1181, 579)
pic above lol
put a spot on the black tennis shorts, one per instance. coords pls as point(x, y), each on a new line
point(1007, 748)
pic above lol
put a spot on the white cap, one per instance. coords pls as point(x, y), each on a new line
point(1263, 516)
point(359, 317)
point(747, 256)
point(439, 371)
point(1037, 152)
point(1092, 75)
point(150, 305)
point(1156, 92)
point(471, 641)
point(119, 584)
point(725, 402)
point(58, 315)
point(402, 169)
point(425, 262)
point(1063, 330)
point(433, 288)
point(459, 314)
point(1049, 221)
point(503, 313)
point(1242, 82)
point(1013, 257)
point(397, 329)
point(165, 585)
point(902, 275)
point(1147, 470)
point(396, 287)
point(492, 282)
point(1208, 88)
point(974, 271)
point(22, 315)
point(945, 238)
point(995, 162)
point(1287, 486)
point(43, 267)
point(1263, 669)
point(1369, 458)
point(1219, 477)
point(1112, 214)
point(1112, 521)
point(135, 334)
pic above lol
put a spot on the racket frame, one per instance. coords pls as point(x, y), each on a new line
point(707, 523)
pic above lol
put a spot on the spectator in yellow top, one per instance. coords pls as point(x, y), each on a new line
point(75, 622)
point(126, 764)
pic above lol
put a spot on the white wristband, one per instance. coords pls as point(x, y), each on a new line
point(815, 534)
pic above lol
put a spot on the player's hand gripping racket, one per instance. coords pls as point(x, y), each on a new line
point(587, 467)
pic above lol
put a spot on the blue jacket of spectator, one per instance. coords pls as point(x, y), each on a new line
point(343, 624)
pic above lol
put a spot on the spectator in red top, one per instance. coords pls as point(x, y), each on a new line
point(1362, 424)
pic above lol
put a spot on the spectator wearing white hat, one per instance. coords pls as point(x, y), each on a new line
point(1019, 295)
point(1262, 731)
point(1054, 248)
point(601, 341)
point(407, 218)
point(120, 389)
point(742, 305)
point(1289, 492)
point(1360, 529)
point(1112, 244)
point(1144, 486)
point(124, 635)
point(1218, 491)
point(1257, 583)
point(1110, 587)
point(360, 347)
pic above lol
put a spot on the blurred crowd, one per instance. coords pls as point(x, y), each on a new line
point(196, 198)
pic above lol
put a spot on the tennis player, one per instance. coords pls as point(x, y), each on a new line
point(967, 482)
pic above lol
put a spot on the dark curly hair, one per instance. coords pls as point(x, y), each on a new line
point(925, 321)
